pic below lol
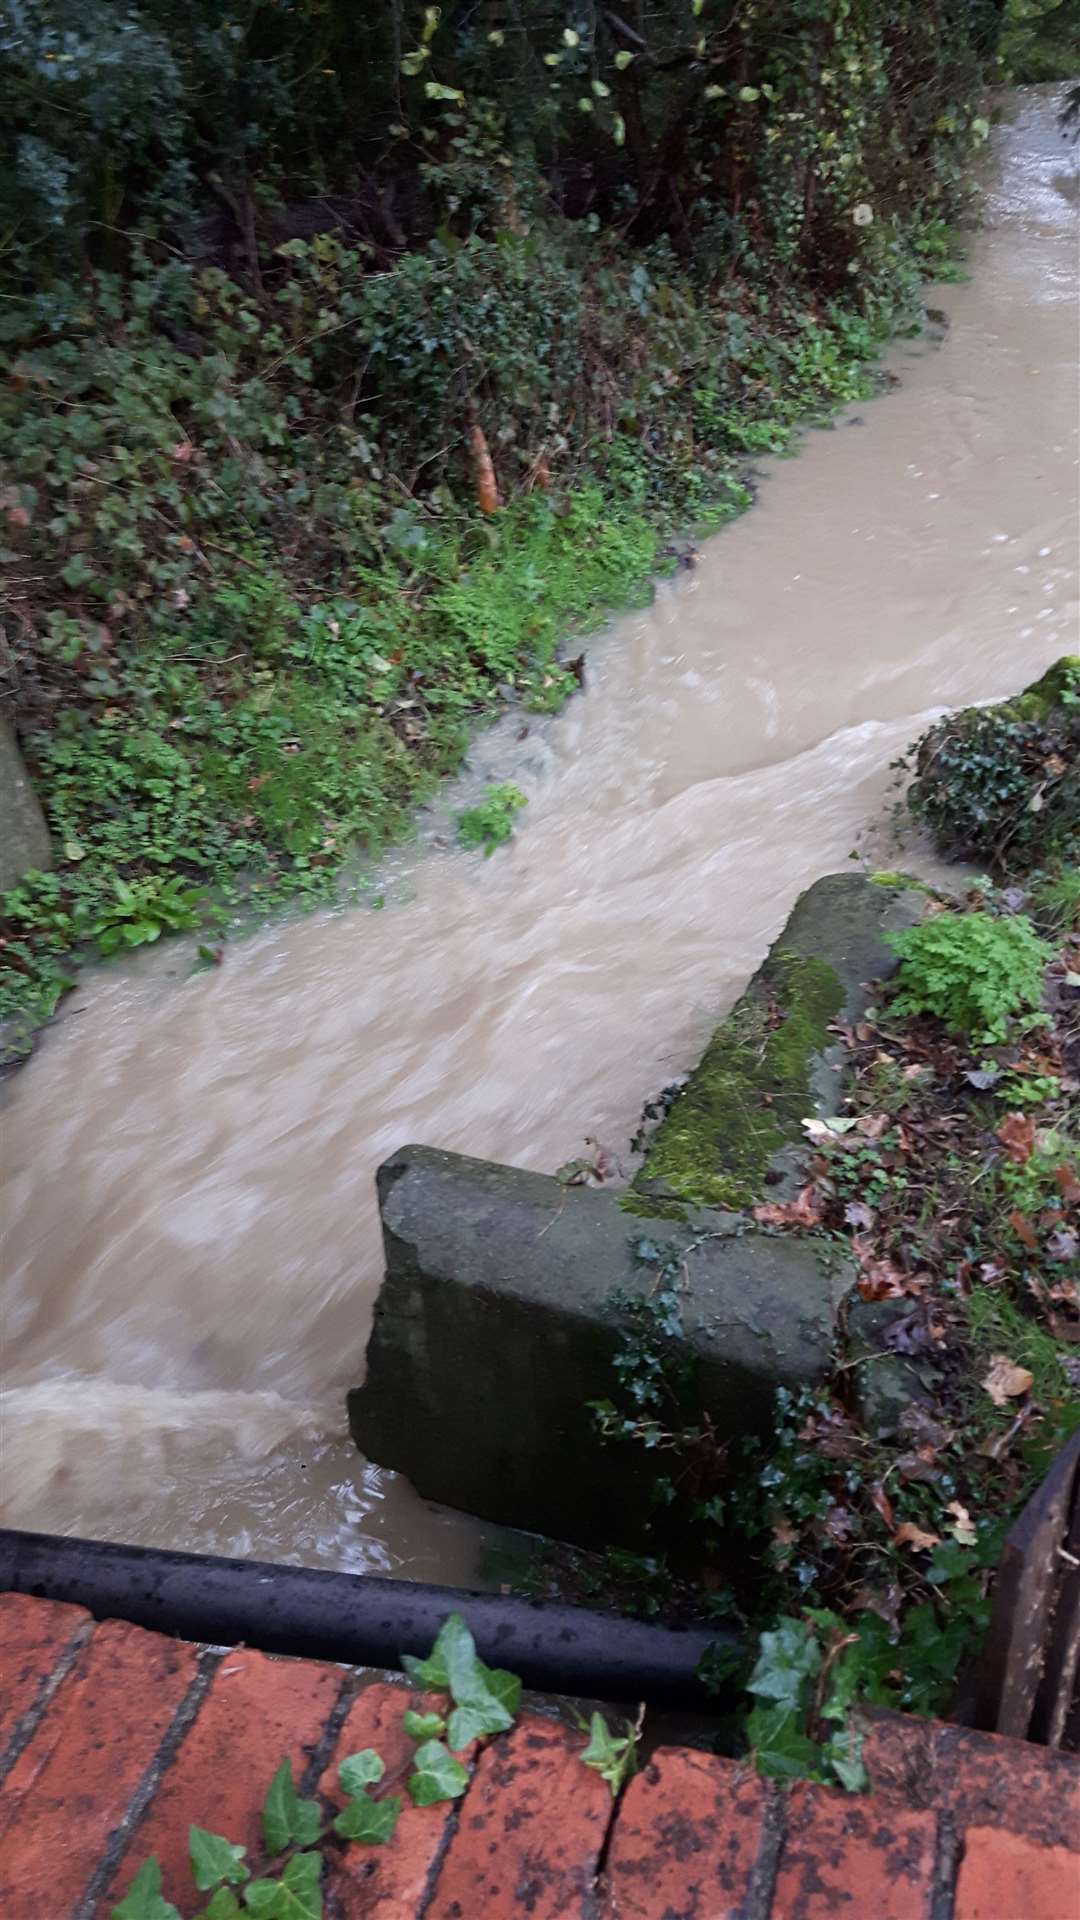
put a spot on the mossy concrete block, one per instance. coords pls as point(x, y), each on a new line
point(24, 837)
point(735, 1130)
point(499, 1320)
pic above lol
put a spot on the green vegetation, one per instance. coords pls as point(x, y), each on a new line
point(1040, 40)
point(356, 358)
point(975, 971)
point(491, 821)
point(750, 1094)
point(286, 1883)
point(1002, 784)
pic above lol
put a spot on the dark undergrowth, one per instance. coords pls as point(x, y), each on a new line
point(341, 389)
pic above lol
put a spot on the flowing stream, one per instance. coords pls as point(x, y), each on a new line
point(191, 1242)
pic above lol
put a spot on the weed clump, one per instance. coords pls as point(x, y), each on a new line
point(491, 822)
point(973, 971)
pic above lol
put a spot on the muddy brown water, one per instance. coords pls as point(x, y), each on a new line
point(191, 1246)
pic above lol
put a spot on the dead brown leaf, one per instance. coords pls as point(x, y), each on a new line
point(883, 1505)
point(1024, 1230)
point(803, 1211)
point(1068, 1185)
point(1005, 1380)
point(963, 1527)
point(920, 1465)
point(886, 1604)
point(909, 1535)
point(1017, 1136)
point(858, 1214)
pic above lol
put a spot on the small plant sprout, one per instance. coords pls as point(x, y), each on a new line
point(491, 821)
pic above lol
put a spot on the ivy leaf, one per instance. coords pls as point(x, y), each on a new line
point(360, 1770)
point(506, 1687)
point(261, 1898)
point(301, 1888)
point(296, 1896)
point(223, 1906)
point(143, 1899)
point(486, 1699)
point(843, 1755)
point(438, 1775)
point(432, 1671)
point(367, 1820)
point(214, 1860)
point(423, 1726)
point(610, 1755)
point(950, 1562)
point(782, 1751)
point(786, 1660)
point(478, 1711)
point(285, 1818)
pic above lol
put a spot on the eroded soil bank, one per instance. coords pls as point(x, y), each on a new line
point(191, 1238)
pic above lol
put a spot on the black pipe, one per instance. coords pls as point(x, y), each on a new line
point(357, 1619)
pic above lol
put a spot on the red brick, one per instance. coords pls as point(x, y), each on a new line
point(1005, 1877)
point(257, 1712)
point(529, 1831)
point(73, 1782)
point(853, 1855)
point(686, 1839)
point(33, 1635)
point(978, 1779)
point(387, 1880)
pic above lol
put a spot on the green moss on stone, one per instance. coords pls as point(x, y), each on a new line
point(649, 1206)
point(1059, 683)
point(749, 1096)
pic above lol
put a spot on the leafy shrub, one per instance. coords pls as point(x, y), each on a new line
point(1002, 784)
point(491, 821)
point(975, 972)
point(146, 909)
point(1039, 39)
point(256, 600)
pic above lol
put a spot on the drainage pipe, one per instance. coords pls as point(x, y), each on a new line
point(358, 1619)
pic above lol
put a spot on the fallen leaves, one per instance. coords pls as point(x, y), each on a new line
point(909, 1535)
point(1068, 1183)
point(879, 1276)
point(827, 1132)
point(1017, 1136)
point(1024, 1230)
point(858, 1214)
point(963, 1526)
point(883, 1505)
point(1005, 1380)
point(803, 1211)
